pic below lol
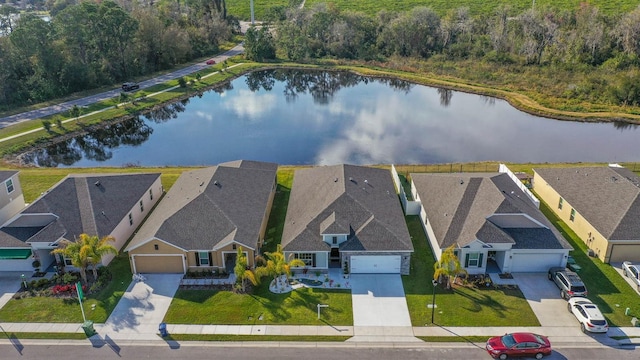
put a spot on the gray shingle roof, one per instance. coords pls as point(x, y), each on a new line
point(6, 174)
point(78, 204)
point(460, 208)
point(357, 200)
point(212, 206)
point(607, 197)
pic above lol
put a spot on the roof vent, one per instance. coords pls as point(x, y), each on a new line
point(103, 214)
point(335, 180)
point(351, 179)
point(216, 183)
point(461, 181)
point(366, 181)
point(201, 183)
point(97, 183)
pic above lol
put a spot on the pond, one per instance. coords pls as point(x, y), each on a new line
point(294, 117)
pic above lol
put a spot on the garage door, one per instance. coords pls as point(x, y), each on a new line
point(158, 264)
point(621, 253)
point(375, 264)
point(535, 262)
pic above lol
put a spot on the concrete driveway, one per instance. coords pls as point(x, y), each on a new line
point(142, 308)
point(544, 298)
point(9, 285)
point(380, 311)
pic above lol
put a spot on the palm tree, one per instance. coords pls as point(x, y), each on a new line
point(98, 248)
point(74, 251)
point(86, 251)
point(241, 271)
point(448, 267)
point(276, 264)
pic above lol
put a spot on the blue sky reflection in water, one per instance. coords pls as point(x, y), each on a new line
point(348, 119)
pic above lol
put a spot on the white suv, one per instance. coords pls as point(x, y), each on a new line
point(588, 315)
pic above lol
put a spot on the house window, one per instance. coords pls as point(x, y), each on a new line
point(67, 262)
point(560, 203)
point(473, 260)
point(150, 194)
point(308, 258)
point(9, 184)
point(155, 246)
point(141, 206)
point(334, 240)
point(130, 219)
point(233, 246)
point(203, 257)
point(573, 215)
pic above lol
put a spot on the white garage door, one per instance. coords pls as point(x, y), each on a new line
point(375, 264)
point(621, 252)
point(159, 264)
point(535, 262)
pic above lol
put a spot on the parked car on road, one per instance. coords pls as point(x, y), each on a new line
point(568, 282)
point(588, 314)
point(211, 62)
point(128, 86)
point(630, 270)
point(518, 344)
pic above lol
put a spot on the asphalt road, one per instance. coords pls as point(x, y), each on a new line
point(54, 109)
point(279, 351)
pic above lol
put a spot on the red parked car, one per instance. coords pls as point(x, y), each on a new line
point(518, 344)
point(211, 62)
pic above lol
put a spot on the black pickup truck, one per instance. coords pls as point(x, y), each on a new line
point(129, 86)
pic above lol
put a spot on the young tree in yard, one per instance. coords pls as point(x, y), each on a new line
point(73, 251)
point(276, 264)
point(241, 271)
point(98, 248)
point(448, 267)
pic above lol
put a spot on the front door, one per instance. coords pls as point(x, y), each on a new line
point(334, 258)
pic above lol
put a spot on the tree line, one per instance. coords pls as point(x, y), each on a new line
point(581, 40)
point(87, 44)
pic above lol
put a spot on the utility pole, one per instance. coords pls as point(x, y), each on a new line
point(253, 18)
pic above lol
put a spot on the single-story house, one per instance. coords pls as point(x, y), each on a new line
point(491, 223)
point(205, 217)
point(347, 217)
point(94, 204)
point(601, 204)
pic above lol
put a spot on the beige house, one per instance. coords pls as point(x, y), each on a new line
point(94, 204)
point(11, 197)
point(205, 217)
point(600, 204)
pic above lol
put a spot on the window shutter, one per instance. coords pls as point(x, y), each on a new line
point(466, 260)
point(211, 259)
point(313, 260)
point(480, 260)
point(197, 258)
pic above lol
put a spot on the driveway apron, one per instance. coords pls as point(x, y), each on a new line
point(10, 283)
point(142, 308)
point(544, 299)
point(380, 308)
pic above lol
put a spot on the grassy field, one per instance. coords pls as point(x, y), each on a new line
point(49, 309)
point(53, 335)
point(461, 306)
point(240, 8)
point(262, 307)
point(606, 287)
point(255, 338)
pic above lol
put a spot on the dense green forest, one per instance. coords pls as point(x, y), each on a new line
point(596, 54)
point(580, 55)
point(88, 44)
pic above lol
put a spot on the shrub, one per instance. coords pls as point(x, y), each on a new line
point(69, 278)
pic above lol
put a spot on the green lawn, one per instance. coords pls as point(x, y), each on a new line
point(462, 306)
point(224, 337)
point(295, 308)
point(278, 209)
point(606, 287)
point(49, 309)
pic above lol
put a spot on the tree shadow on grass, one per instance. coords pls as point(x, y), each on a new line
point(481, 301)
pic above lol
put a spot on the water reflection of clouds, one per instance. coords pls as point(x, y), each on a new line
point(248, 104)
point(203, 115)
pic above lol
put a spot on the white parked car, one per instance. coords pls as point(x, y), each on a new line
point(630, 270)
point(588, 315)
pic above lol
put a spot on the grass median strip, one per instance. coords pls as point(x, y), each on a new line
point(51, 336)
point(226, 337)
